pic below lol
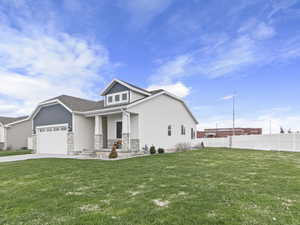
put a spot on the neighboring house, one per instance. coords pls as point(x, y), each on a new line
point(137, 117)
point(225, 132)
point(14, 132)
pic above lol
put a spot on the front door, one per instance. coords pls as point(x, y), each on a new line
point(119, 130)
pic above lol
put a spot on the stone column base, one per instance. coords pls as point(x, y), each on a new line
point(98, 141)
point(125, 142)
point(135, 145)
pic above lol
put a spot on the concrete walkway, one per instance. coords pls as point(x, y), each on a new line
point(37, 156)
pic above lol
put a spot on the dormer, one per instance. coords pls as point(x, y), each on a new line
point(120, 92)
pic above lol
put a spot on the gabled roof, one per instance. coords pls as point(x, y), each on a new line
point(77, 104)
point(126, 84)
point(8, 120)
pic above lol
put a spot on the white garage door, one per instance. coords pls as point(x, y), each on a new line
point(52, 139)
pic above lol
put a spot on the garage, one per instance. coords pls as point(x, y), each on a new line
point(52, 139)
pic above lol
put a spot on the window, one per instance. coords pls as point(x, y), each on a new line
point(192, 133)
point(117, 98)
point(182, 130)
point(119, 130)
point(124, 96)
point(169, 130)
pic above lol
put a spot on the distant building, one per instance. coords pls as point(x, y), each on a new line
point(225, 132)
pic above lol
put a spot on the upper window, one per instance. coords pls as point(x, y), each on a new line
point(182, 130)
point(169, 130)
point(124, 96)
point(117, 98)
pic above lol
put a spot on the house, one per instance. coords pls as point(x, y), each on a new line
point(14, 132)
point(225, 132)
point(137, 117)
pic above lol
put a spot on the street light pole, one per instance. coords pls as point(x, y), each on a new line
point(233, 115)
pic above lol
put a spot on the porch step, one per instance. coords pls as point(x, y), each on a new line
point(88, 153)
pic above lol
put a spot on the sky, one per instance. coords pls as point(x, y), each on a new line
point(203, 51)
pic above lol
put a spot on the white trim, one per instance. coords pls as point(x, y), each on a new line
point(16, 122)
point(49, 103)
point(53, 125)
point(124, 84)
point(102, 110)
point(103, 114)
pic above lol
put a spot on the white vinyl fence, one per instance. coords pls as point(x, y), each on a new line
point(279, 142)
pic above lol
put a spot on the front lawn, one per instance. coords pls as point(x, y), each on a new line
point(14, 152)
point(207, 187)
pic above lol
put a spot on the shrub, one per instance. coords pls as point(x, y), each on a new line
point(152, 150)
point(113, 154)
point(160, 150)
point(24, 148)
point(180, 147)
point(202, 145)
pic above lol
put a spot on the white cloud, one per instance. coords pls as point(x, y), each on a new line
point(281, 5)
point(172, 69)
point(143, 11)
point(227, 57)
point(263, 31)
point(178, 89)
point(36, 64)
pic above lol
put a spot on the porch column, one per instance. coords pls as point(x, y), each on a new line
point(98, 143)
point(126, 131)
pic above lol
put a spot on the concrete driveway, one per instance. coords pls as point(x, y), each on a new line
point(37, 156)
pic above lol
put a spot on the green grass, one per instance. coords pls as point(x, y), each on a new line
point(14, 152)
point(215, 187)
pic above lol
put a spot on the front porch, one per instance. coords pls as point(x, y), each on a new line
point(117, 126)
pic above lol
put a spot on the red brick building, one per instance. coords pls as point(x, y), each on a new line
point(225, 132)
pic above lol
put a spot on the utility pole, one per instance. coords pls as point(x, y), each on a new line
point(233, 114)
point(270, 127)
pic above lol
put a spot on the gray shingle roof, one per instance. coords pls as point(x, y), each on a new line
point(141, 89)
point(79, 104)
point(7, 120)
point(84, 105)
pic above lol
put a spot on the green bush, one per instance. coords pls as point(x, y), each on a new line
point(160, 150)
point(152, 150)
point(113, 154)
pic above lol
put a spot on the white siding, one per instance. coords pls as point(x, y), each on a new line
point(154, 117)
point(111, 125)
point(83, 133)
point(135, 96)
point(18, 134)
point(1, 133)
point(134, 129)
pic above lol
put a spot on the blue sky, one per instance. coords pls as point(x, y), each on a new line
point(200, 50)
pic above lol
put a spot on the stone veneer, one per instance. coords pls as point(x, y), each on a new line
point(135, 145)
point(98, 142)
point(70, 143)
